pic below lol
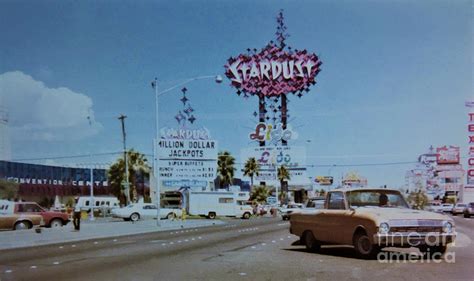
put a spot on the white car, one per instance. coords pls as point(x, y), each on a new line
point(434, 207)
point(290, 208)
point(137, 211)
point(447, 207)
point(458, 208)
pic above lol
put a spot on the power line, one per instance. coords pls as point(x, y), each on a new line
point(67, 157)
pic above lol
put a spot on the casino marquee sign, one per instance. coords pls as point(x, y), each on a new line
point(273, 72)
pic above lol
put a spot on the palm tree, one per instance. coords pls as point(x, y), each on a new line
point(251, 168)
point(259, 194)
point(225, 168)
point(137, 164)
point(283, 175)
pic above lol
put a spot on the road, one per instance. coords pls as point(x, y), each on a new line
point(257, 249)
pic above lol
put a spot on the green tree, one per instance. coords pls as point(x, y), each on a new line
point(8, 190)
point(137, 163)
point(225, 168)
point(283, 176)
point(418, 198)
point(259, 194)
point(251, 168)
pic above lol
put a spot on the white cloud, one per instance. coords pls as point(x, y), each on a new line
point(37, 112)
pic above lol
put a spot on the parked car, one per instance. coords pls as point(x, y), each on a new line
point(469, 210)
point(289, 209)
point(19, 221)
point(137, 211)
point(447, 207)
point(434, 207)
point(369, 220)
point(458, 208)
point(315, 203)
point(50, 218)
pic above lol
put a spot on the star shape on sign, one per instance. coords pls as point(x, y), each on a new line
point(189, 110)
point(179, 117)
point(255, 113)
point(184, 90)
point(184, 99)
point(192, 119)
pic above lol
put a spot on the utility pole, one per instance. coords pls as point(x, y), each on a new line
point(124, 136)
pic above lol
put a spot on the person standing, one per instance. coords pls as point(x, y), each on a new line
point(77, 215)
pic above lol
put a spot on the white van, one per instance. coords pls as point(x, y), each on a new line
point(224, 203)
point(98, 203)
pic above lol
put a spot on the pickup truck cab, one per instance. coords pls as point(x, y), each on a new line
point(371, 219)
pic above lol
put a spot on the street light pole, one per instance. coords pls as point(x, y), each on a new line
point(156, 171)
point(127, 183)
point(92, 193)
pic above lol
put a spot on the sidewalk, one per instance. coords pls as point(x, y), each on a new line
point(101, 228)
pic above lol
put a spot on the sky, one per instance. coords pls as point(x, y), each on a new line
point(394, 78)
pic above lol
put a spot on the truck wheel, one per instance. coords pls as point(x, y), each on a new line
point(56, 223)
point(246, 216)
point(310, 242)
point(22, 225)
point(364, 248)
point(134, 217)
point(171, 216)
point(212, 215)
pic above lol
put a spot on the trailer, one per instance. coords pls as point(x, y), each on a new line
point(218, 203)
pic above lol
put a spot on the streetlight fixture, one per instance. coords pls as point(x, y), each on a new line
point(218, 79)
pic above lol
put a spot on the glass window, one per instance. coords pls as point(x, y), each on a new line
point(226, 200)
point(336, 201)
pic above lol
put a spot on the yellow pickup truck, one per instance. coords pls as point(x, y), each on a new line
point(372, 219)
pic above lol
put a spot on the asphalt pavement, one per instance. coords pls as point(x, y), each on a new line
point(97, 229)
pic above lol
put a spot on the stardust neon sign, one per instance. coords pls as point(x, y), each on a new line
point(273, 71)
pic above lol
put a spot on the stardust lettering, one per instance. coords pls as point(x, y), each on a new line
point(270, 70)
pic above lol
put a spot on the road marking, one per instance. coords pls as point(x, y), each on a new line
point(280, 224)
point(56, 263)
point(8, 271)
point(263, 244)
point(74, 246)
point(273, 241)
point(33, 267)
point(186, 240)
point(171, 232)
point(193, 239)
point(179, 241)
point(289, 236)
point(281, 239)
point(115, 240)
point(95, 243)
point(242, 273)
point(61, 247)
point(171, 243)
point(199, 237)
point(163, 244)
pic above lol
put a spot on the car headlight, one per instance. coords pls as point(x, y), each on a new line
point(447, 227)
point(384, 228)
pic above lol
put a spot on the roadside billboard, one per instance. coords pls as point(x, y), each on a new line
point(271, 157)
point(187, 162)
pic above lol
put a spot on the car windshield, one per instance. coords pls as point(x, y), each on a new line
point(382, 198)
